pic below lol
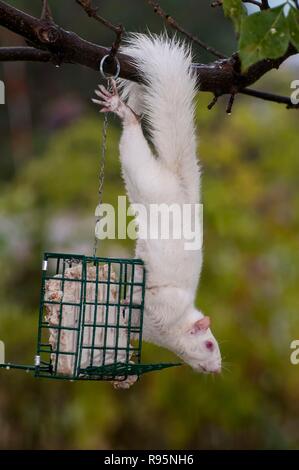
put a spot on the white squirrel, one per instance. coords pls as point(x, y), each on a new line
point(166, 99)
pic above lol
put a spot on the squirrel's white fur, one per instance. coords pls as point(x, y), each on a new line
point(166, 101)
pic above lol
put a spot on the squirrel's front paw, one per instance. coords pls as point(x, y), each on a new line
point(109, 101)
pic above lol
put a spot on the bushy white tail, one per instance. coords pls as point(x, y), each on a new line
point(166, 96)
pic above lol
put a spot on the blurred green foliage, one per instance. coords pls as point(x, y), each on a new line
point(249, 287)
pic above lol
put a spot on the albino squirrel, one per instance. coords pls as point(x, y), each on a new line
point(169, 175)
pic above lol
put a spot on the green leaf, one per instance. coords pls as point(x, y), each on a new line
point(235, 10)
point(293, 20)
point(264, 35)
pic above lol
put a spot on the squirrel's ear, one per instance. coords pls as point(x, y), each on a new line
point(201, 325)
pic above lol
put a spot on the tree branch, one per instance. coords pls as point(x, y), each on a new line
point(68, 46)
point(30, 54)
point(117, 29)
point(53, 44)
point(270, 97)
point(173, 24)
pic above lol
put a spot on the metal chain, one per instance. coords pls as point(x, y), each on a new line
point(102, 170)
point(104, 138)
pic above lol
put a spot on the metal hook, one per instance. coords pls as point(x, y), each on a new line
point(104, 74)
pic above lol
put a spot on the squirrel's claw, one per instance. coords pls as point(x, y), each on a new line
point(104, 90)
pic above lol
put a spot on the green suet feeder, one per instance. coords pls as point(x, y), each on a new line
point(90, 319)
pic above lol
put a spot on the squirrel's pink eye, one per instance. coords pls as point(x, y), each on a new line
point(209, 345)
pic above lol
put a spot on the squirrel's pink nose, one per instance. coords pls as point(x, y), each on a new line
point(211, 371)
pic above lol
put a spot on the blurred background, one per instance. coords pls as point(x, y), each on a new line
point(50, 150)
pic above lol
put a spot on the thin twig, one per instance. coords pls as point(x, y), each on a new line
point(213, 102)
point(46, 12)
point(256, 94)
point(92, 12)
point(230, 103)
point(173, 24)
point(270, 97)
point(117, 29)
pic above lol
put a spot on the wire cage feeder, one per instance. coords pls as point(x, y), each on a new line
point(90, 319)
